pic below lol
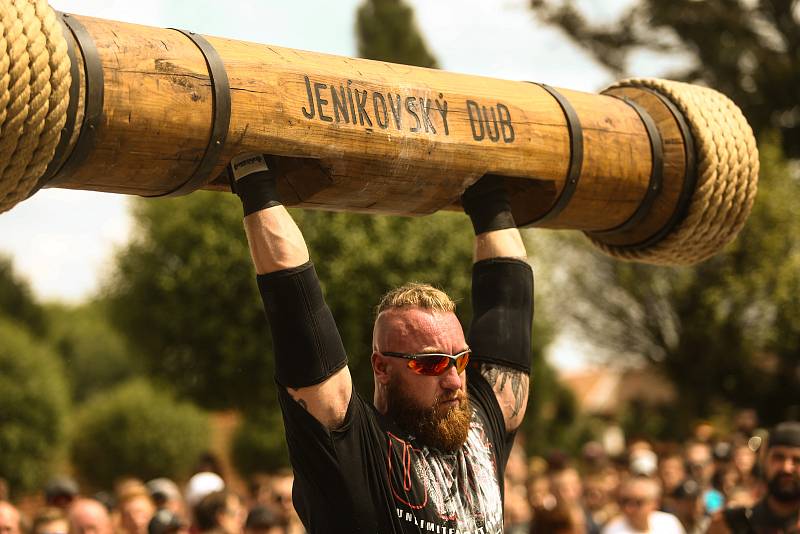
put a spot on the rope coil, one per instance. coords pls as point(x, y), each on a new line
point(34, 94)
point(727, 177)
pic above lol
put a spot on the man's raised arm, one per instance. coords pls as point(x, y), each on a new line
point(310, 360)
point(502, 298)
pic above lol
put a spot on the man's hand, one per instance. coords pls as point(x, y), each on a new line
point(486, 203)
point(254, 182)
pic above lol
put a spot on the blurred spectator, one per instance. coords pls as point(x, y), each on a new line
point(643, 462)
point(89, 516)
point(60, 492)
point(568, 490)
point(688, 507)
point(516, 510)
point(779, 510)
point(598, 496)
point(556, 520)
point(672, 472)
point(281, 502)
point(135, 508)
point(740, 497)
point(261, 520)
point(746, 423)
point(166, 496)
point(593, 456)
point(700, 465)
point(200, 485)
point(3, 489)
point(220, 512)
point(744, 462)
point(165, 521)
point(539, 494)
point(50, 520)
point(703, 432)
point(10, 519)
point(638, 500)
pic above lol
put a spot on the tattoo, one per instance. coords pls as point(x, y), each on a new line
point(517, 381)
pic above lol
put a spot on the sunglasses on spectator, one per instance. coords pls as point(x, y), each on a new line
point(632, 501)
point(432, 363)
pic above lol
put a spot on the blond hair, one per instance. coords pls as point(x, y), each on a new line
point(417, 295)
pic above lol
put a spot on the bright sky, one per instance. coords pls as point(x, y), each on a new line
point(62, 241)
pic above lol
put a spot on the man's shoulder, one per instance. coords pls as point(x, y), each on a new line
point(665, 522)
point(617, 525)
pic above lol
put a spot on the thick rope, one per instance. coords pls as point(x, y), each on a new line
point(34, 94)
point(727, 177)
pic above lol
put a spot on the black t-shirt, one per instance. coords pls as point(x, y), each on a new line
point(369, 476)
point(760, 520)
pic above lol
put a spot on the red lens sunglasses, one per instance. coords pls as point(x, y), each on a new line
point(432, 363)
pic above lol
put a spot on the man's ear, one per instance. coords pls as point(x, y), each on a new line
point(380, 366)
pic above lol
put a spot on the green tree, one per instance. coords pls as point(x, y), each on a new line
point(35, 402)
point(746, 49)
point(387, 32)
point(183, 294)
point(95, 354)
point(16, 301)
point(257, 446)
point(137, 430)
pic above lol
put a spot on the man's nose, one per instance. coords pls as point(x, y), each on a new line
point(450, 379)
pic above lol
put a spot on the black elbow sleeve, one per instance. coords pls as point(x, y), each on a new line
point(502, 304)
point(308, 348)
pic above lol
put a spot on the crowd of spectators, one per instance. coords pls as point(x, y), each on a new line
point(205, 505)
point(651, 487)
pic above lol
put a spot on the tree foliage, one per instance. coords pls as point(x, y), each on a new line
point(387, 32)
point(35, 402)
point(746, 49)
point(95, 355)
point(137, 430)
point(183, 293)
point(17, 302)
point(257, 446)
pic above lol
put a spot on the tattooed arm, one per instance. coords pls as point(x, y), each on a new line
point(511, 388)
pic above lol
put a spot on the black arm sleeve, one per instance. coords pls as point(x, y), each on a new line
point(308, 348)
point(502, 304)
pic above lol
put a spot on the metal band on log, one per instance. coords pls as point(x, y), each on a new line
point(154, 113)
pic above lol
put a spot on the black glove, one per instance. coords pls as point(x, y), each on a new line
point(254, 182)
point(486, 203)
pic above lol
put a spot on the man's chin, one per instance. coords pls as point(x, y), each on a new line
point(783, 491)
point(444, 426)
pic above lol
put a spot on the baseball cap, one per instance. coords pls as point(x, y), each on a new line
point(201, 485)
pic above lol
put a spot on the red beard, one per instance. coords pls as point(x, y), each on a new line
point(440, 426)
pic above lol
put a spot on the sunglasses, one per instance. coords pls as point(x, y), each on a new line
point(632, 501)
point(433, 363)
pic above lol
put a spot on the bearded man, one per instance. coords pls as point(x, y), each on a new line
point(779, 511)
point(428, 454)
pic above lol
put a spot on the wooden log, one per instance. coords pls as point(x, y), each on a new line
point(159, 112)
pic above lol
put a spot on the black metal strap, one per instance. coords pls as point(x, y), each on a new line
point(64, 164)
point(656, 183)
point(575, 156)
point(221, 105)
point(689, 177)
